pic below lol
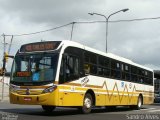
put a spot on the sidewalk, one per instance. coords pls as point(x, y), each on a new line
point(5, 99)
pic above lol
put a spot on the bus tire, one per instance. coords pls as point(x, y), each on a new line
point(87, 104)
point(48, 108)
point(139, 104)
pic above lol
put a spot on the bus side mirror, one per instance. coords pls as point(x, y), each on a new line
point(8, 56)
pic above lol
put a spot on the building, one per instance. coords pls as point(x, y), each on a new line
point(4, 88)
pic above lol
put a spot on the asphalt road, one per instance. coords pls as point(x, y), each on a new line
point(22, 112)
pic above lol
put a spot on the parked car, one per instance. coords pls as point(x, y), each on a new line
point(157, 98)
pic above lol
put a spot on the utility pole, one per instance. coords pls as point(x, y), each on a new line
point(3, 68)
point(5, 57)
point(107, 18)
point(72, 30)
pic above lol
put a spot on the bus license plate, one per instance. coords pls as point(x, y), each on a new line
point(27, 98)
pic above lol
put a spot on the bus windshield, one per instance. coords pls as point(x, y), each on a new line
point(34, 68)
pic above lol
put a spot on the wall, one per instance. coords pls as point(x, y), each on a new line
point(6, 88)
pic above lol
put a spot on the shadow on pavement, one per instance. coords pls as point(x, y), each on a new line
point(156, 104)
point(62, 111)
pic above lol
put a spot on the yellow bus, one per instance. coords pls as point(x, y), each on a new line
point(69, 74)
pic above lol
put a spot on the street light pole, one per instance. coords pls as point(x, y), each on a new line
point(107, 18)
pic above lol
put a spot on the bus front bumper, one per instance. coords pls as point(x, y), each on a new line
point(41, 99)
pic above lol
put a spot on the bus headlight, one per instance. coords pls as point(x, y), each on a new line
point(49, 89)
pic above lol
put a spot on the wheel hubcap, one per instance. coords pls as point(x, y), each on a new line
point(139, 103)
point(87, 103)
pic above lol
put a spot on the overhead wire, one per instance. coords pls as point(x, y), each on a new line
point(47, 30)
point(81, 22)
point(114, 21)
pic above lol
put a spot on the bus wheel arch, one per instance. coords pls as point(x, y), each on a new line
point(139, 103)
point(140, 95)
point(88, 102)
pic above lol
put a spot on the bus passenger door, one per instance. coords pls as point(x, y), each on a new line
point(69, 72)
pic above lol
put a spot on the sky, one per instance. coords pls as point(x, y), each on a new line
point(136, 40)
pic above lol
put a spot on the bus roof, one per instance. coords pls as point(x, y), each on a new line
point(67, 43)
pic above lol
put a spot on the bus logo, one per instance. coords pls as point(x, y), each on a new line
point(122, 84)
point(84, 81)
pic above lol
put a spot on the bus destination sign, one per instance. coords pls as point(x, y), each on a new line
point(23, 74)
point(40, 46)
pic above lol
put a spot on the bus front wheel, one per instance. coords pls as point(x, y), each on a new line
point(47, 108)
point(87, 104)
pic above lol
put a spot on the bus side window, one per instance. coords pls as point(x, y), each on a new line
point(69, 69)
point(72, 68)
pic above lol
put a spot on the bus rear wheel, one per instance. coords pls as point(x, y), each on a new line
point(139, 104)
point(47, 108)
point(87, 104)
